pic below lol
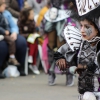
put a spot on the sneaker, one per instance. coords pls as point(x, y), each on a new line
point(13, 61)
point(34, 69)
point(70, 80)
point(30, 59)
point(51, 79)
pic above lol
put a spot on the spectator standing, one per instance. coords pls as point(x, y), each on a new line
point(37, 5)
point(14, 7)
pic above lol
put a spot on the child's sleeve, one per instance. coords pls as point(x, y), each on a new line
point(60, 54)
point(2, 31)
point(20, 29)
point(98, 54)
point(64, 52)
point(6, 24)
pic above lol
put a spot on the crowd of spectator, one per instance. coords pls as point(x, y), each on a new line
point(21, 22)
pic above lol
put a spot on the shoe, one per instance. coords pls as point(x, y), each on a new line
point(51, 79)
point(2, 76)
point(30, 59)
point(13, 61)
point(70, 80)
point(22, 74)
point(34, 69)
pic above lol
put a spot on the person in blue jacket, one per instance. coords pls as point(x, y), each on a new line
point(20, 42)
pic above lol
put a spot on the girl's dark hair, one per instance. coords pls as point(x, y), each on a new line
point(24, 14)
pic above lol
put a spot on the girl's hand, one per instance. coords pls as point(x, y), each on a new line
point(61, 63)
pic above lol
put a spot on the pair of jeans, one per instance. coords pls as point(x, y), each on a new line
point(21, 46)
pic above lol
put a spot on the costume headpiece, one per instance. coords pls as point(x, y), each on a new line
point(89, 9)
point(85, 6)
point(60, 10)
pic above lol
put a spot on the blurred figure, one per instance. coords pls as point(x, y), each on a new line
point(4, 30)
point(19, 42)
point(14, 7)
point(37, 5)
point(57, 18)
point(27, 29)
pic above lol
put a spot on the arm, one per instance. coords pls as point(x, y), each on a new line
point(21, 30)
point(98, 54)
point(61, 52)
point(5, 27)
point(11, 10)
point(13, 27)
point(2, 31)
point(59, 56)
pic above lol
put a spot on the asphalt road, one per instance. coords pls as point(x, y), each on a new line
point(34, 87)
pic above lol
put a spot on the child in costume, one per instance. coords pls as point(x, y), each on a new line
point(27, 27)
point(88, 58)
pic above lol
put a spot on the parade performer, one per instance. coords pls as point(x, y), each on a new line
point(57, 17)
point(88, 59)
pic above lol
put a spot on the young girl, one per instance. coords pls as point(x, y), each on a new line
point(88, 58)
point(26, 27)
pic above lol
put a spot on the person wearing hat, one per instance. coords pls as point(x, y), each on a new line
point(56, 18)
point(88, 57)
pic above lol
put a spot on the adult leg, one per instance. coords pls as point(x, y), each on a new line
point(51, 45)
point(3, 55)
point(21, 47)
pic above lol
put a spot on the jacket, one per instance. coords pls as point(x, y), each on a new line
point(13, 28)
point(3, 24)
point(26, 28)
point(13, 7)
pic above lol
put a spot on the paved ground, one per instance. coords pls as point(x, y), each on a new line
point(34, 87)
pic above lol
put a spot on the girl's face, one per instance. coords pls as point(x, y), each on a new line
point(88, 30)
point(31, 15)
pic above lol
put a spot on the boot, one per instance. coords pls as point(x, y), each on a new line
point(51, 78)
point(69, 79)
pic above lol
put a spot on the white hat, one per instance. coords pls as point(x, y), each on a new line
point(85, 6)
point(72, 36)
point(61, 14)
point(89, 96)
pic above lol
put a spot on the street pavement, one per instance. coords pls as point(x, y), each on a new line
point(35, 87)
